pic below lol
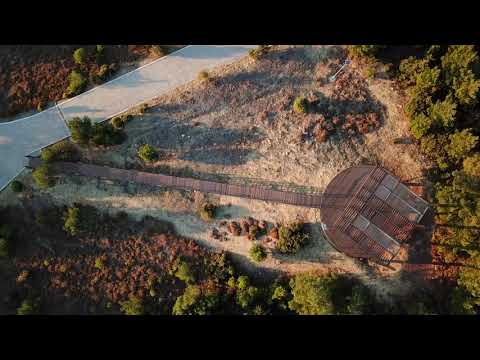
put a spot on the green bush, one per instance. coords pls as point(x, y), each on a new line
point(207, 211)
point(61, 151)
point(258, 253)
point(193, 302)
point(461, 144)
point(43, 176)
point(16, 186)
point(80, 56)
point(203, 76)
point(329, 294)
point(368, 51)
point(369, 72)
point(107, 135)
point(291, 238)
point(243, 282)
point(420, 125)
point(457, 67)
point(147, 153)
point(471, 165)
point(72, 220)
point(132, 306)
point(311, 295)
point(76, 84)
point(119, 122)
point(182, 271)
point(300, 105)
point(409, 69)
point(443, 113)
point(246, 297)
point(81, 129)
point(27, 307)
point(99, 263)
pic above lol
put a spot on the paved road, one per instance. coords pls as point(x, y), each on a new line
point(21, 137)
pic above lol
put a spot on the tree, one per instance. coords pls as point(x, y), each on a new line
point(420, 125)
point(443, 113)
point(80, 56)
point(183, 272)
point(469, 277)
point(147, 153)
point(461, 143)
point(409, 69)
point(471, 165)
point(461, 303)
point(195, 302)
point(311, 295)
point(291, 238)
point(329, 294)
point(76, 83)
point(81, 129)
point(43, 176)
point(132, 306)
point(363, 50)
point(258, 253)
point(457, 66)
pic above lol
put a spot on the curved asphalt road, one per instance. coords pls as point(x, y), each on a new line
point(22, 137)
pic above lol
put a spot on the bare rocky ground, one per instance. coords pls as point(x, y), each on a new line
point(240, 127)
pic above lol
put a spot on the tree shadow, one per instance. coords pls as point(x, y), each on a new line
point(208, 145)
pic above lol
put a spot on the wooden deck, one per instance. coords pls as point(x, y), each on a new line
point(250, 192)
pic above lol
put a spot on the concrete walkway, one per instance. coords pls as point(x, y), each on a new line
point(22, 137)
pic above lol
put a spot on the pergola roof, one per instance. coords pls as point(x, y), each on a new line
point(368, 213)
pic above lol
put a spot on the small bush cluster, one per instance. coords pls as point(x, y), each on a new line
point(119, 122)
point(292, 238)
point(147, 153)
point(204, 76)
point(84, 132)
point(103, 73)
point(61, 151)
point(206, 211)
point(300, 105)
point(80, 56)
point(258, 253)
point(132, 306)
point(43, 176)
